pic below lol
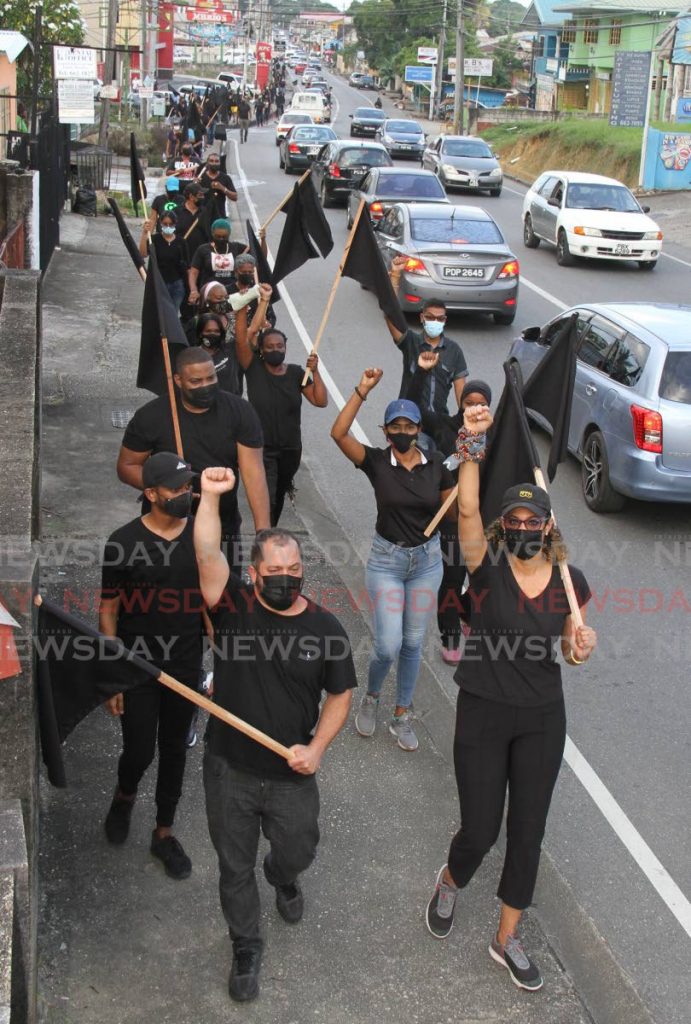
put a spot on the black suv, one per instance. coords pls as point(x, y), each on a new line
point(366, 121)
point(342, 165)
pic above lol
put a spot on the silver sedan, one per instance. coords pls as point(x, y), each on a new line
point(464, 162)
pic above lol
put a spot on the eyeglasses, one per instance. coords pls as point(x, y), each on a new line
point(428, 318)
point(514, 523)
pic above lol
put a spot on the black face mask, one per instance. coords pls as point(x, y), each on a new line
point(402, 442)
point(281, 591)
point(212, 341)
point(245, 279)
point(180, 506)
point(273, 358)
point(524, 544)
point(221, 245)
point(202, 398)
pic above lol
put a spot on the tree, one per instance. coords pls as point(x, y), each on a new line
point(62, 23)
point(504, 17)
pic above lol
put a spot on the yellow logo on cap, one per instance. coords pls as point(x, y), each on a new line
point(525, 494)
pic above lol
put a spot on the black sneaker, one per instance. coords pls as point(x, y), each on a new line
point(514, 958)
point(439, 915)
point(243, 983)
point(117, 823)
point(172, 856)
point(290, 902)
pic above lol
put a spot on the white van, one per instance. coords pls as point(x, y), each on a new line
point(311, 103)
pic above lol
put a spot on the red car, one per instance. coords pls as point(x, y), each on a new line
point(299, 68)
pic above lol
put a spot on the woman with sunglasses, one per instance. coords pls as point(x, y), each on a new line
point(510, 721)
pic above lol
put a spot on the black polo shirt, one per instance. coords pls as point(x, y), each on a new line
point(406, 499)
point(171, 258)
point(451, 366)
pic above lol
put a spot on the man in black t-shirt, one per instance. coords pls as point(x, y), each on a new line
point(275, 654)
point(218, 185)
point(167, 202)
point(244, 114)
point(150, 599)
point(217, 428)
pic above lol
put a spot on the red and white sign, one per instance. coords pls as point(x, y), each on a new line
point(210, 11)
point(263, 64)
point(264, 52)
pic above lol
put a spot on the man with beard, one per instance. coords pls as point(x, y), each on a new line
point(218, 185)
point(275, 655)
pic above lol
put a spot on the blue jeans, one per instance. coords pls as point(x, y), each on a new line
point(176, 290)
point(402, 584)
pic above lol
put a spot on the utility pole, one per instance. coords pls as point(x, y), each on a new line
point(36, 74)
point(459, 97)
point(440, 58)
point(144, 65)
point(109, 70)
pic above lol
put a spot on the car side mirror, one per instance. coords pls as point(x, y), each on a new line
point(350, 115)
point(646, 209)
point(531, 334)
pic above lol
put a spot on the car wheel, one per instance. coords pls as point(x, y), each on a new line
point(564, 257)
point(530, 239)
point(281, 162)
point(278, 142)
point(288, 169)
point(496, 192)
point(326, 199)
point(504, 319)
point(598, 492)
point(647, 264)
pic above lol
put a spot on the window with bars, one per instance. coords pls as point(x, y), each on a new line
point(568, 33)
point(615, 33)
point(590, 32)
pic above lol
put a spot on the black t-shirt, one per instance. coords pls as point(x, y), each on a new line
point(510, 655)
point(277, 401)
point(228, 371)
point(198, 236)
point(157, 581)
point(440, 426)
point(439, 381)
point(271, 670)
point(208, 439)
point(243, 110)
point(171, 258)
point(217, 198)
point(213, 266)
point(406, 499)
point(167, 203)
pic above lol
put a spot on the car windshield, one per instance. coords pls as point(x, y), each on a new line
point(410, 127)
point(370, 112)
point(418, 186)
point(601, 197)
point(459, 147)
point(455, 230)
point(675, 383)
point(312, 134)
point(363, 157)
point(296, 119)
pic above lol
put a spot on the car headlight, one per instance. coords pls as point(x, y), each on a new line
point(593, 232)
point(448, 169)
point(387, 140)
point(653, 236)
point(496, 173)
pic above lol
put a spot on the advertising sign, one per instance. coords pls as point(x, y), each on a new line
point(427, 54)
point(210, 11)
point(75, 101)
point(419, 75)
point(630, 83)
point(74, 62)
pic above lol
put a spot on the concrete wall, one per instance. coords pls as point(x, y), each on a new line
point(19, 525)
point(19, 204)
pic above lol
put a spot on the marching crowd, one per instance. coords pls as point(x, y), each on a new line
point(281, 662)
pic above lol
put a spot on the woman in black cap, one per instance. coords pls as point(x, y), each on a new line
point(510, 722)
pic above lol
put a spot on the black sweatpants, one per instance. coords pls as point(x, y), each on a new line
point(495, 745)
point(281, 465)
point(451, 604)
point(155, 713)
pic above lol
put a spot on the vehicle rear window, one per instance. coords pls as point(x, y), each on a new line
point(675, 383)
point(312, 134)
point(444, 229)
point(404, 126)
point(363, 157)
point(456, 147)
point(419, 186)
point(370, 112)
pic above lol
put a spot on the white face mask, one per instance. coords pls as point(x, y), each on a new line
point(433, 328)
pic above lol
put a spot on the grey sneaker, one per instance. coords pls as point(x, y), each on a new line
point(439, 915)
point(366, 718)
point(400, 726)
point(514, 958)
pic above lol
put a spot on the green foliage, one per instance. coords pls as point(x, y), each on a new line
point(504, 17)
point(505, 64)
point(61, 23)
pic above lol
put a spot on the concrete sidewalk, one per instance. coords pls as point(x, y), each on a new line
point(122, 944)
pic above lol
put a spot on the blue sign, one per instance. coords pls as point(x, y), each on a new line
point(419, 74)
point(683, 109)
point(667, 160)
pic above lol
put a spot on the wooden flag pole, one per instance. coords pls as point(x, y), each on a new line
point(190, 229)
point(141, 196)
point(283, 201)
point(334, 286)
point(171, 396)
point(564, 570)
point(142, 274)
point(429, 530)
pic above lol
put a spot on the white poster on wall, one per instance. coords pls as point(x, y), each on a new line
point(76, 101)
point(77, 62)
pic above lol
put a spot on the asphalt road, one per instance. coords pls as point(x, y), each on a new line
point(629, 709)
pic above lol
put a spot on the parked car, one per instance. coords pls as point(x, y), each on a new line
point(302, 144)
point(342, 165)
point(286, 122)
point(366, 121)
point(465, 162)
point(401, 137)
point(384, 186)
point(455, 253)
point(356, 78)
point(631, 418)
point(587, 215)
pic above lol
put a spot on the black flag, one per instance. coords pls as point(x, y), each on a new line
point(263, 269)
point(136, 175)
point(159, 320)
point(130, 243)
point(295, 247)
point(364, 264)
point(312, 215)
point(78, 669)
point(549, 389)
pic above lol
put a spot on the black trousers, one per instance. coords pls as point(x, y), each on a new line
point(451, 604)
point(154, 714)
point(498, 745)
point(238, 805)
point(281, 465)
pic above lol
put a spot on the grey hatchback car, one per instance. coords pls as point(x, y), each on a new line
point(631, 417)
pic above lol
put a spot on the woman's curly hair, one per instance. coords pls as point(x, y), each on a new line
point(553, 548)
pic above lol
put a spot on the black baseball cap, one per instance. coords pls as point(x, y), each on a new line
point(165, 469)
point(193, 189)
point(526, 496)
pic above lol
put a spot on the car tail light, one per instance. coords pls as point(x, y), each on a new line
point(415, 266)
point(509, 269)
point(509, 302)
point(334, 170)
point(413, 298)
point(293, 148)
point(376, 210)
point(647, 429)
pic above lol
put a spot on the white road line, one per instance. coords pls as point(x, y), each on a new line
point(655, 872)
point(675, 258)
point(547, 296)
point(513, 191)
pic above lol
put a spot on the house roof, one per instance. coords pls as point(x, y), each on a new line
point(542, 13)
point(624, 6)
point(12, 44)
